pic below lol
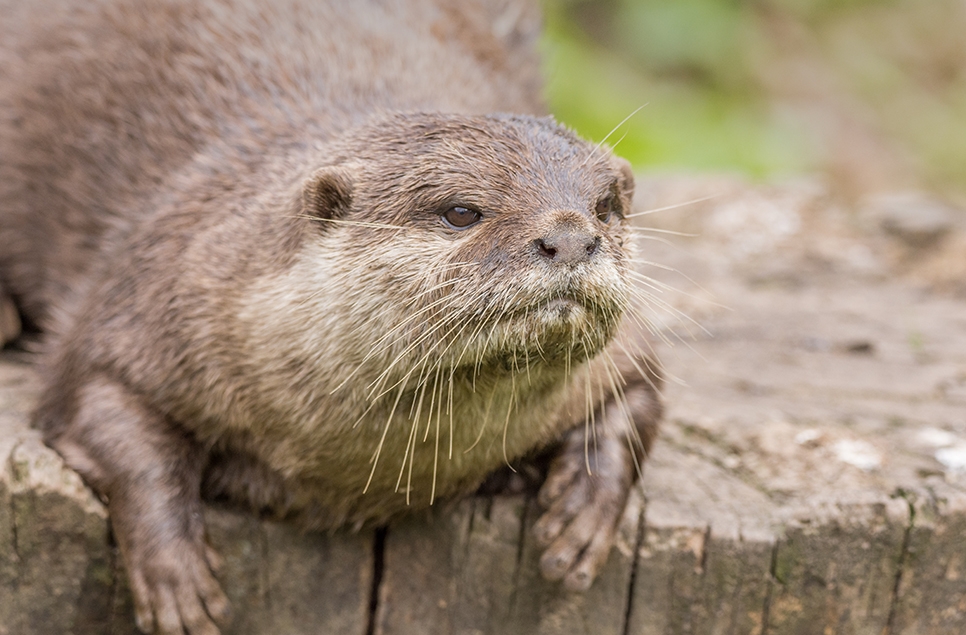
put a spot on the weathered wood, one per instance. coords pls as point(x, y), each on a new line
point(546, 608)
point(61, 558)
point(451, 571)
point(475, 569)
point(285, 581)
point(704, 562)
point(931, 596)
point(838, 568)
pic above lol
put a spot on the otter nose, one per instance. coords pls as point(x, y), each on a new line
point(568, 245)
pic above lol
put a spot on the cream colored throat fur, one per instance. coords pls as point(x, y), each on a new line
point(396, 403)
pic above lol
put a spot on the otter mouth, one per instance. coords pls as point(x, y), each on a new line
point(563, 312)
point(564, 320)
point(562, 305)
point(563, 309)
point(569, 305)
point(554, 326)
point(556, 332)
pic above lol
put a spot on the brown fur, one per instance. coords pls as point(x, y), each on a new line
point(228, 218)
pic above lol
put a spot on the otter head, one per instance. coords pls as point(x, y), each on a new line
point(473, 241)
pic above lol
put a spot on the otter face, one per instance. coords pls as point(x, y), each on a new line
point(496, 240)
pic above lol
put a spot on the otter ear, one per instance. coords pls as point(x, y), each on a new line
point(327, 194)
point(625, 180)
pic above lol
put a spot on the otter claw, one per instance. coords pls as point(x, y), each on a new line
point(182, 597)
point(584, 508)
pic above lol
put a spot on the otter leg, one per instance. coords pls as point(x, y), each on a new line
point(9, 318)
point(589, 482)
point(150, 472)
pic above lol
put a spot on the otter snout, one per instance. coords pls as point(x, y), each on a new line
point(568, 243)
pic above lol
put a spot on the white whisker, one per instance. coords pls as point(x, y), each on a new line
point(670, 207)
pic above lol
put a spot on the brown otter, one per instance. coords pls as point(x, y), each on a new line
point(282, 254)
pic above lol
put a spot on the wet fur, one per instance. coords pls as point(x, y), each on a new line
point(226, 219)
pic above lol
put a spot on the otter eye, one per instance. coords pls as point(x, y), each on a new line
point(461, 217)
point(605, 208)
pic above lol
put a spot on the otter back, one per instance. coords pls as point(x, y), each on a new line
point(101, 101)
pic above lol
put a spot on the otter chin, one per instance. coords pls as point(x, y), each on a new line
point(556, 334)
point(571, 315)
point(564, 310)
point(556, 329)
point(298, 257)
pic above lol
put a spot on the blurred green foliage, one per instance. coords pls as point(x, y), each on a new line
point(767, 87)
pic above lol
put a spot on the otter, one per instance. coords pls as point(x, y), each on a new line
point(300, 256)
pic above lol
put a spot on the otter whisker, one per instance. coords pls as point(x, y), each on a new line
point(432, 398)
point(648, 357)
point(447, 266)
point(506, 423)
point(376, 348)
point(640, 317)
point(376, 389)
point(651, 283)
point(419, 363)
point(639, 308)
point(526, 350)
point(652, 300)
point(488, 315)
point(589, 423)
point(457, 317)
point(375, 384)
point(567, 365)
point(416, 408)
point(655, 239)
point(655, 230)
point(614, 145)
point(669, 207)
point(438, 366)
point(669, 287)
point(425, 356)
point(408, 454)
point(411, 446)
point(450, 400)
point(486, 418)
point(600, 143)
point(631, 433)
point(382, 439)
point(432, 491)
point(358, 223)
point(411, 442)
point(603, 411)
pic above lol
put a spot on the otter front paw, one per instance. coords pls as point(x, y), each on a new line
point(149, 469)
point(175, 592)
point(9, 319)
point(584, 495)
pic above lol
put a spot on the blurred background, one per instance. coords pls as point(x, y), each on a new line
point(870, 94)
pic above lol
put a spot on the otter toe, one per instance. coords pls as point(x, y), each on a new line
point(585, 502)
point(177, 593)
